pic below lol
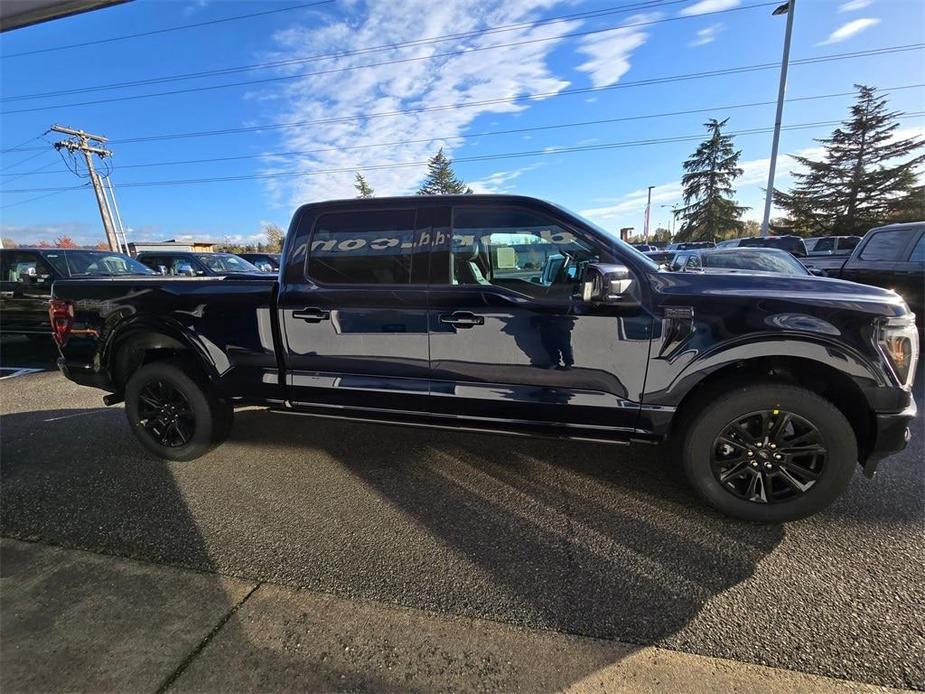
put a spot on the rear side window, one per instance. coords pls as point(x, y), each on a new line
point(886, 245)
point(369, 247)
point(826, 244)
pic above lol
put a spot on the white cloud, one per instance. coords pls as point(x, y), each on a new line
point(500, 181)
point(846, 31)
point(609, 51)
point(474, 75)
point(706, 35)
point(705, 6)
point(853, 5)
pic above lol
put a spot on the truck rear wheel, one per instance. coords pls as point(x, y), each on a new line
point(768, 452)
point(173, 414)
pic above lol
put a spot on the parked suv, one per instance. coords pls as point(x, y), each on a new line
point(511, 315)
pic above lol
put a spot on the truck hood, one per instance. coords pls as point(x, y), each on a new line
point(810, 290)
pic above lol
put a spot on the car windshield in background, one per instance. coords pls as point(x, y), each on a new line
point(754, 261)
point(618, 242)
point(89, 263)
point(226, 262)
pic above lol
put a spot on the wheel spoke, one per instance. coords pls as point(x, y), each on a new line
point(743, 433)
point(804, 472)
point(756, 491)
point(736, 471)
point(794, 482)
point(779, 427)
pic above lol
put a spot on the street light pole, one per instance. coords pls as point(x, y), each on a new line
point(789, 8)
point(648, 212)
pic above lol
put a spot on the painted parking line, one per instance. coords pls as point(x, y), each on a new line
point(14, 372)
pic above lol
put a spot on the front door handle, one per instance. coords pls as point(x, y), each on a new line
point(312, 315)
point(6, 295)
point(462, 319)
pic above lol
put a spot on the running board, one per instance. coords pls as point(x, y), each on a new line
point(505, 428)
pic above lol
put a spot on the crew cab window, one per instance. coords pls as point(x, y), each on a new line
point(826, 244)
point(370, 247)
point(518, 250)
point(24, 268)
point(885, 245)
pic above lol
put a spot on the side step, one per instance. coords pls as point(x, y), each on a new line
point(469, 424)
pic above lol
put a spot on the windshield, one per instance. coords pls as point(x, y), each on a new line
point(226, 262)
point(756, 261)
point(86, 263)
point(622, 245)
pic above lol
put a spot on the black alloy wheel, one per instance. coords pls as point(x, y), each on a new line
point(766, 451)
point(165, 413)
point(769, 456)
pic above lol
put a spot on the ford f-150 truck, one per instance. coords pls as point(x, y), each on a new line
point(507, 314)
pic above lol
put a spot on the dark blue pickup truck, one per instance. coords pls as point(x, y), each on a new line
point(507, 314)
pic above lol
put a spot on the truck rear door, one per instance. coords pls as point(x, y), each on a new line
point(25, 288)
point(353, 309)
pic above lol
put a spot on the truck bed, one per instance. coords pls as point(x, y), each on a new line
point(227, 321)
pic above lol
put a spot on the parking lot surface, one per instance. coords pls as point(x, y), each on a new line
point(581, 539)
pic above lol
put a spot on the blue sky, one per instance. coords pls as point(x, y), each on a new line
point(603, 49)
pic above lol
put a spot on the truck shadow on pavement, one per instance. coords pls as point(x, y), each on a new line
point(586, 539)
point(594, 540)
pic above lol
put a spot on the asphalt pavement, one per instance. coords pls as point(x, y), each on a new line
point(581, 539)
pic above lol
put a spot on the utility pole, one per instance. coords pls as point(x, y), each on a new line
point(648, 211)
point(789, 8)
point(81, 143)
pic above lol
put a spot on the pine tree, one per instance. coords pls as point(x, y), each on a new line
point(709, 210)
point(441, 179)
point(364, 190)
point(866, 176)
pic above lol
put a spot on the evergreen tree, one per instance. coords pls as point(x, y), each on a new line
point(441, 179)
point(709, 210)
point(866, 176)
point(364, 190)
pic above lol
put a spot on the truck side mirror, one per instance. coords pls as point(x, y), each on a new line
point(162, 269)
point(607, 283)
point(186, 269)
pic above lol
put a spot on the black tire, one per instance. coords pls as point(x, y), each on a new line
point(728, 423)
point(190, 421)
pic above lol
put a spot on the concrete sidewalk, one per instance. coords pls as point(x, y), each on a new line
point(78, 621)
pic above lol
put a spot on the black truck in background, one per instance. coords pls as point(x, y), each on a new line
point(507, 314)
point(892, 257)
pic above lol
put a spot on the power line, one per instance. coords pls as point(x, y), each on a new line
point(524, 97)
point(42, 197)
point(153, 32)
point(475, 158)
point(349, 68)
point(590, 14)
point(40, 170)
point(512, 131)
point(23, 161)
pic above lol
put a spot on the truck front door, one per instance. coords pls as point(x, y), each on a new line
point(512, 339)
point(353, 310)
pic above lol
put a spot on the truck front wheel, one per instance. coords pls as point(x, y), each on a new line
point(768, 452)
point(172, 414)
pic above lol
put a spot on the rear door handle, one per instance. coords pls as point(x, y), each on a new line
point(312, 315)
point(462, 319)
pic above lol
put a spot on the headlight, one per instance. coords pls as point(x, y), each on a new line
point(898, 340)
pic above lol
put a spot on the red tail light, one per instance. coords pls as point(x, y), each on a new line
point(61, 316)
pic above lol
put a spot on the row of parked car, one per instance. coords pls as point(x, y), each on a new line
point(892, 257)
